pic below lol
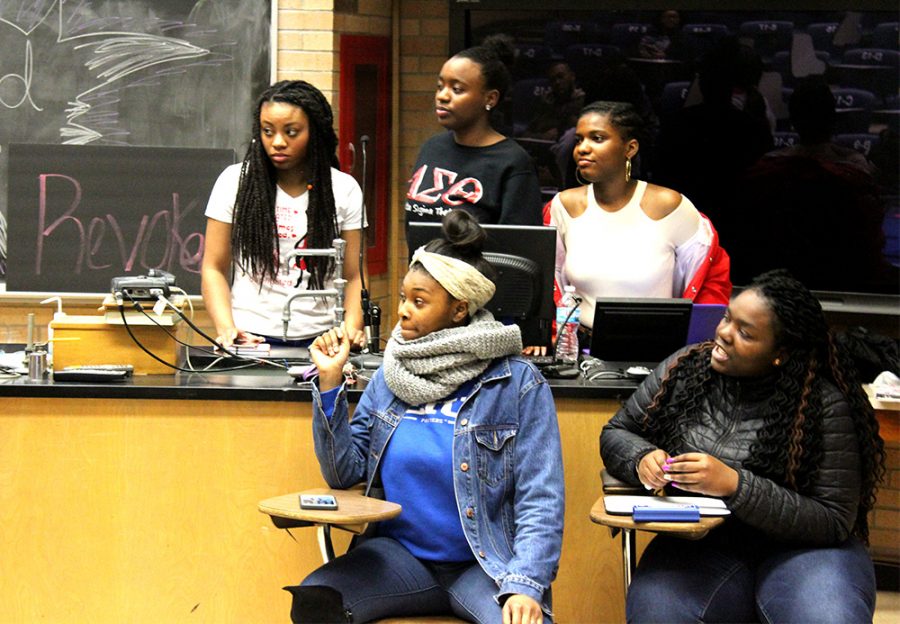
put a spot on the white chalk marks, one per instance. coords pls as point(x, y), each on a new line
point(114, 59)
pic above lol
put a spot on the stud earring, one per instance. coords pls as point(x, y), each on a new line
point(777, 362)
point(487, 107)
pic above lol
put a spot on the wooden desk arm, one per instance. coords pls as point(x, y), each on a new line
point(354, 512)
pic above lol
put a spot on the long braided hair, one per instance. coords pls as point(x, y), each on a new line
point(788, 448)
point(254, 234)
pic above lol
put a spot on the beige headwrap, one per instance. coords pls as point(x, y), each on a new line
point(459, 278)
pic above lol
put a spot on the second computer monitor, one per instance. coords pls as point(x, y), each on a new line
point(524, 257)
point(639, 330)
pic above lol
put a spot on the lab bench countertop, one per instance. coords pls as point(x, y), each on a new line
point(252, 384)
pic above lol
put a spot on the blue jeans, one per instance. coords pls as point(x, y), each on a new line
point(722, 579)
point(380, 578)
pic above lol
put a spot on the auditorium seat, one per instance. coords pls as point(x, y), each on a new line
point(525, 96)
point(768, 36)
point(561, 34)
point(627, 36)
point(699, 38)
point(785, 139)
point(673, 96)
point(854, 110)
point(861, 142)
point(888, 113)
point(886, 35)
point(531, 60)
point(583, 58)
point(871, 69)
point(822, 34)
point(872, 56)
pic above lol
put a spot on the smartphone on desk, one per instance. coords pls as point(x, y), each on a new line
point(318, 501)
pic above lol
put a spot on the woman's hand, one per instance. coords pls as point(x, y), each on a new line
point(701, 473)
point(535, 350)
point(521, 609)
point(329, 352)
point(358, 338)
point(233, 335)
point(651, 469)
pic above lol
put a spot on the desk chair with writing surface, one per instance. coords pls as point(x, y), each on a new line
point(354, 512)
point(626, 525)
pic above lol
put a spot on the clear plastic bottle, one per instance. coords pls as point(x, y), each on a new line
point(567, 317)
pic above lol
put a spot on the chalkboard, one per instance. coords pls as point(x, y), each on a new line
point(81, 215)
point(163, 73)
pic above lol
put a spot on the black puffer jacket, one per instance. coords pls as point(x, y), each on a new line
point(728, 425)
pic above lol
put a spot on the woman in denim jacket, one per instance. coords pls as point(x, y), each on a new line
point(464, 436)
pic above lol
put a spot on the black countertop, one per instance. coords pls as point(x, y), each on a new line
point(253, 384)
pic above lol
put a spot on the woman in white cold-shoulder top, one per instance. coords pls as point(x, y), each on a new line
point(621, 237)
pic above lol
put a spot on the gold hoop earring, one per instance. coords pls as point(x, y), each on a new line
point(628, 170)
point(580, 180)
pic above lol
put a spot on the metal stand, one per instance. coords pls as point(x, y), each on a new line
point(339, 282)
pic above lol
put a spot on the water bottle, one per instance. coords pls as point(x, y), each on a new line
point(567, 316)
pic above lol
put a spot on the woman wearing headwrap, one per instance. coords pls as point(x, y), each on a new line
point(459, 431)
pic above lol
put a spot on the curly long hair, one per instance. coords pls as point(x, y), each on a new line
point(788, 448)
point(254, 234)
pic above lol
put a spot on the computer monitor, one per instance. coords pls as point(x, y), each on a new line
point(639, 330)
point(524, 257)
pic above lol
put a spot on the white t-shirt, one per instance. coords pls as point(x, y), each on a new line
point(259, 310)
point(623, 253)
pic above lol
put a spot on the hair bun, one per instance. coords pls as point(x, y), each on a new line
point(462, 231)
point(502, 46)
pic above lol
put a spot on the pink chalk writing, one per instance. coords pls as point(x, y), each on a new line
point(157, 242)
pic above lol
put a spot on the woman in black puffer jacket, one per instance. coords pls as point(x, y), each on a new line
point(770, 418)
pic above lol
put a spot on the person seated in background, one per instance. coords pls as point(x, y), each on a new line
point(622, 237)
point(665, 41)
point(463, 435)
point(814, 208)
point(813, 115)
point(704, 149)
point(771, 418)
point(557, 110)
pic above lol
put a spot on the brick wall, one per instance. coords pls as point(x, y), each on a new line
point(423, 40)
point(308, 40)
point(309, 49)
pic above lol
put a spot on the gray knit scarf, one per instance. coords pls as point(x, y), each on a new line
point(431, 367)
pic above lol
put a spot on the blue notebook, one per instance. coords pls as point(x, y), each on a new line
point(675, 513)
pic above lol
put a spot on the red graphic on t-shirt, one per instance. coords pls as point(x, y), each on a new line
point(286, 222)
point(446, 189)
point(300, 261)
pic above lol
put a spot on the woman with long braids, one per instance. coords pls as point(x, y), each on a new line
point(463, 434)
point(771, 418)
point(287, 193)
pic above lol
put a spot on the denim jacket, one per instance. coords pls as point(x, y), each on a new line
point(508, 474)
